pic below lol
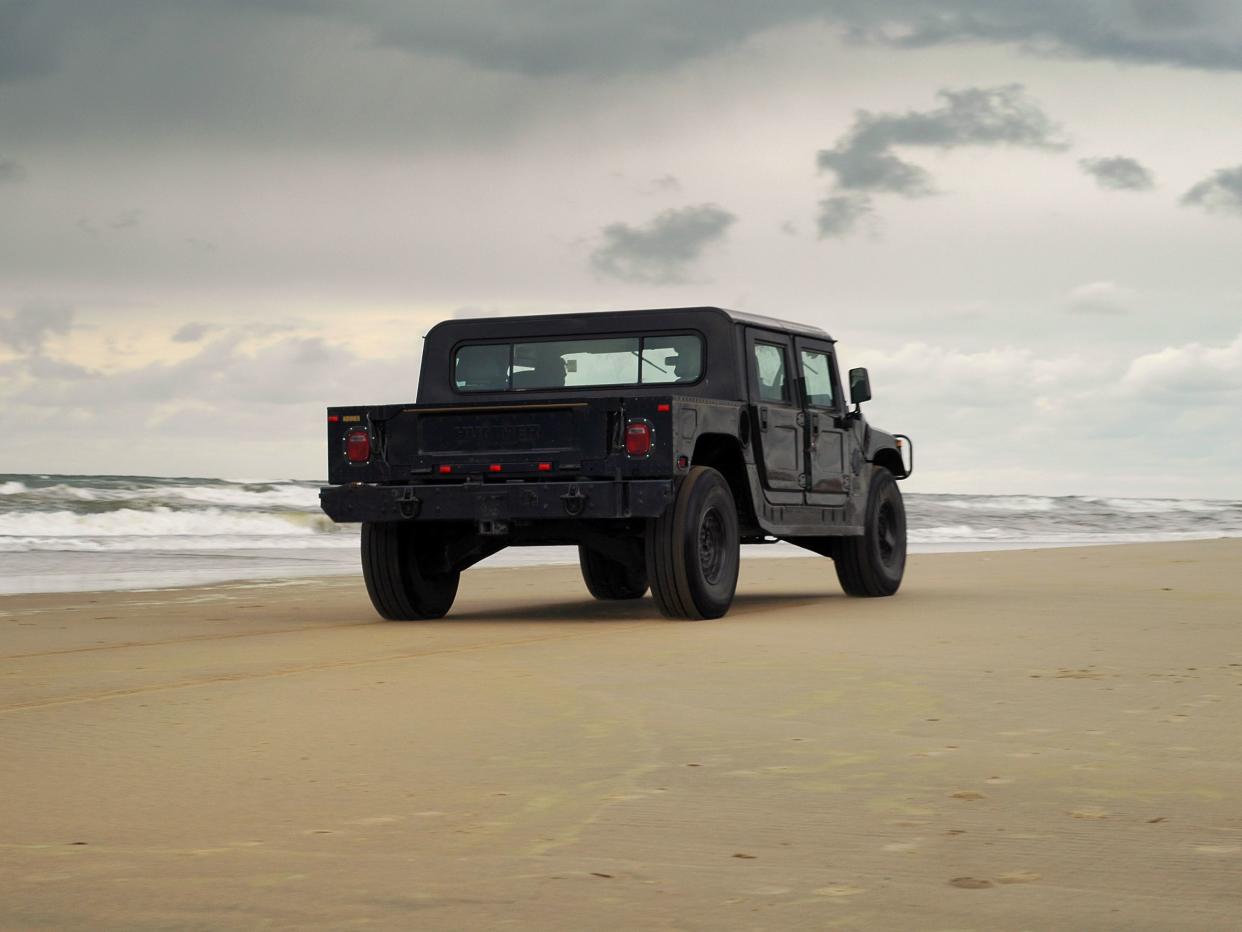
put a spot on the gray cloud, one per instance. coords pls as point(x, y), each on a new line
point(191, 332)
point(1220, 193)
point(11, 171)
point(28, 328)
point(863, 160)
point(839, 214)
point(666, 184)
point(1099, 298)
point(1118, 173)
point(661, 251)
point(1203, 34)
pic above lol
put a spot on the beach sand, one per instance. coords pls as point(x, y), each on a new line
point(1018, 740)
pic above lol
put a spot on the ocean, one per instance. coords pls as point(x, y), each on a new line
point(78, 533)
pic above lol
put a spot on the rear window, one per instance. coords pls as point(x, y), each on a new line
point(641, 360)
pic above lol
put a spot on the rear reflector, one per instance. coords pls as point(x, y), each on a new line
point(333, 418)
point(638, 438)
point(358, 446)
point(664, 407)
point(545, 467)
point(445, 470)
point(495, 467)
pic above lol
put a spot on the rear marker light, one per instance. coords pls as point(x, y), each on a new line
point(445, 470)
point(663, 408)
point(358, 446)
point(683, 461)
point(333, 418)
point(638, 438)
point(495, 467)
point(545, 467)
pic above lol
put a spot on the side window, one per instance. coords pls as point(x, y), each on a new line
point(672, 359)
point(817, 372)
point(482, 368)
point(770, 370)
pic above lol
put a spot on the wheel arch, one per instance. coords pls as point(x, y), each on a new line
point(890, 459)
point(723, 453)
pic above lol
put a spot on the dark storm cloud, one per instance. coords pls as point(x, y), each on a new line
point(863, 159)
point(1118, 173)
point(1220, 193)
point(27, 329)
point(29, 36)
point(541, 37)
point(557, 37)
point(662, 250)
point(11, 171)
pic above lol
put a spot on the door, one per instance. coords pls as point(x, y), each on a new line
point(826, 443)
point(777, 415)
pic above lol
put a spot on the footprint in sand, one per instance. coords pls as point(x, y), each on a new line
point(967, 794)
point(970, 883)
point(839, 889)
point(1089, 814)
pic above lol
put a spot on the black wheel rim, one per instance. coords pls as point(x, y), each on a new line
point(886, 533)
point(711, 545)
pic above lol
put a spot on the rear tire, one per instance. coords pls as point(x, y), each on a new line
point(873, 565)
point(693, 550)
point(394, 565)
point(608, 580)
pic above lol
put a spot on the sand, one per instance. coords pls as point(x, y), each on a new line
point(1022, 740)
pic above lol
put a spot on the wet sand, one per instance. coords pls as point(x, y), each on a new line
point(1019, 740)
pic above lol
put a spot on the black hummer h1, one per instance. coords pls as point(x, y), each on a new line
point(657, 441)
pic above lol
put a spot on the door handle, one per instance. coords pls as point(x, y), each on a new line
point(763, 418)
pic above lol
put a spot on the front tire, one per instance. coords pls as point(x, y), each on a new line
point(395, 565)
point(874, 564)
point(609, 580)
point(693, 550)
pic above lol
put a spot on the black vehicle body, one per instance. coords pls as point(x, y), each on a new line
point(479, 470)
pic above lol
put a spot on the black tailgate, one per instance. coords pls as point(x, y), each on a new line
point(495, 431)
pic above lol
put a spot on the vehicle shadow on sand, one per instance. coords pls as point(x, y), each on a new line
point(595, 612)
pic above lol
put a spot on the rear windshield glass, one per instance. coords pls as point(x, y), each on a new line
point(646, 360)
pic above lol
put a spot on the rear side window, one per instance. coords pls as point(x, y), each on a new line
point(770, 370)
point(653, 359)
point(482, 368)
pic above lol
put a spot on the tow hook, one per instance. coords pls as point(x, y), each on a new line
point(574, 501)
point(408, 503)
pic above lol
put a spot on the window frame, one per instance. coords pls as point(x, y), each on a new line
point(833, 377)
point(642, 336)
point(786, 392)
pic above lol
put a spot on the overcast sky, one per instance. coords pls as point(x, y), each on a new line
point(219, 216)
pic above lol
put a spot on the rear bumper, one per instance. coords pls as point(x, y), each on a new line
point(479, 501)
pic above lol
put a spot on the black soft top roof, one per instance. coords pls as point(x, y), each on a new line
point(636, 319)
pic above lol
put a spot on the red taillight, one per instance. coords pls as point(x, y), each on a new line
point(638, 438)
point(445, 470)
point(358, 446)
point(662, 408)
point(545, 467)
point(495, 467)
point(333, 418)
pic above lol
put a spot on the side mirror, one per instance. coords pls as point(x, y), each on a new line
point(860, 386)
